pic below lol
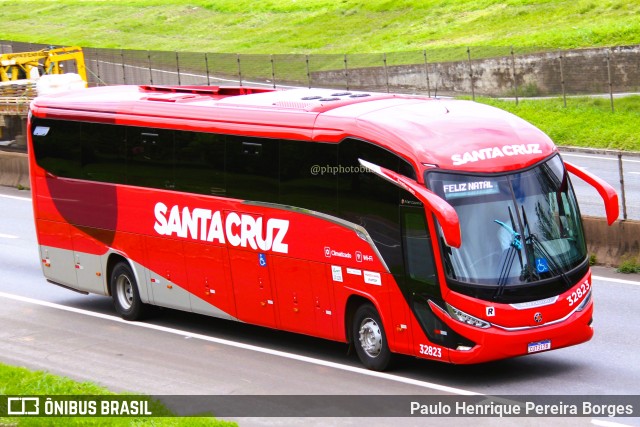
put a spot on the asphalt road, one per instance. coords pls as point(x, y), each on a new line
point(50, 328)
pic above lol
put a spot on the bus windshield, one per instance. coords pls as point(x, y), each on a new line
point(517, 229)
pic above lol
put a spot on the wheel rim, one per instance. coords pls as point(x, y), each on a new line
point(124, 290)
point(370, 337)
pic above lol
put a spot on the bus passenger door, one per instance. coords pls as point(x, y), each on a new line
point(252, 287)
point(420, 281)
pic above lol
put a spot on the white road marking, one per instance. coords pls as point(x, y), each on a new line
point(6, 196)
point(186, 334)
point(623, 281)
point(8, 236)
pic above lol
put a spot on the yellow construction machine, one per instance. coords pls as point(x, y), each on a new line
point(19, 74)
point(30, 65)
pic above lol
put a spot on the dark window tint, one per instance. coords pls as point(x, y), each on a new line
point(58, 147)
point(199, 163)
point(150, 158)
point(370, 201)
point(252, 168)
point(420, 267)
point(104, 153)
point(308, 175)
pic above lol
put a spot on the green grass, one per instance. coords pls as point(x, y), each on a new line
point(585, 122)
point(322, 26)
point(23, 382)
point(629, 266)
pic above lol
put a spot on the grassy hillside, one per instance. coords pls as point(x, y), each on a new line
point(585, 122)
point(321, 26)
point(358, 26)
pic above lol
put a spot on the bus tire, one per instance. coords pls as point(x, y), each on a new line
point(124, 290)
point(369, 338)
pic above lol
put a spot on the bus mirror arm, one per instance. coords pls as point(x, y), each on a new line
point(606, 191)
point(444, 212)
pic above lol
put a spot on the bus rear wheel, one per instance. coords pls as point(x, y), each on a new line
point(369, 338)
point(124, 290)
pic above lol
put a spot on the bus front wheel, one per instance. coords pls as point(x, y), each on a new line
point(369, 338)
point(124, 290)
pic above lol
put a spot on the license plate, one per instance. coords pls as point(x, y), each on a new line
point(535, 347)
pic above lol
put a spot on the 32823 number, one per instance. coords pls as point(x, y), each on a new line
point(580, 292)
point(430, 350)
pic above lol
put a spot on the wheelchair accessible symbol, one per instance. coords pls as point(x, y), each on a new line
point(262, 259)
point(541, 265)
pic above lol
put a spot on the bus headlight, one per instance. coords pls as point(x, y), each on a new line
point(584, 302)
point(467, 318)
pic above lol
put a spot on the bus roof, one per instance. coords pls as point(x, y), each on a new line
point(450, 134)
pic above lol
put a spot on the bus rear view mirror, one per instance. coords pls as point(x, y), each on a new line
point(444, 212)
point(606, 191)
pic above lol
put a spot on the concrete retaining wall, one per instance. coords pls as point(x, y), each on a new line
point(582, 71)
point(14, 169)
point(610, 245)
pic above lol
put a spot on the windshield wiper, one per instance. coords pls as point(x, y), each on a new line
point(515, 247)
point(532, 240)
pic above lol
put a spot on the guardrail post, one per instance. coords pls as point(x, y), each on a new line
point(273, 71)
point(150, 69)
point(624, 201)
point(97, 68)
point(306, 57)
point(426, 72)
point(124, 73)
point(386, 71)
point(515, 77)
point(346, 72)
point(564, 93)
point(178, 68)
point(206, 64)
point(473, 92)
point(610, 81)
point(239, 69)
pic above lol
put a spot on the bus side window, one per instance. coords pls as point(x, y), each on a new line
point(104, 153)
point(252, 168)
point(150, 158)
point(370, 201)
point(199, 163)
point(57, 146)
point(308, 175)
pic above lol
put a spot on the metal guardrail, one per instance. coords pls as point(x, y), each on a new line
point(619, 157)
point(472, 71)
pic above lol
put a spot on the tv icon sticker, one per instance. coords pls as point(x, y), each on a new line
point(23, 406)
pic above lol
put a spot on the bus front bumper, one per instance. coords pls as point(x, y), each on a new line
point(495, 343)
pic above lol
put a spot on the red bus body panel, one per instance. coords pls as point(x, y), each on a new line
point(276, 267)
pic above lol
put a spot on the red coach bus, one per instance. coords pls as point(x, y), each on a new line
point(440, 229)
